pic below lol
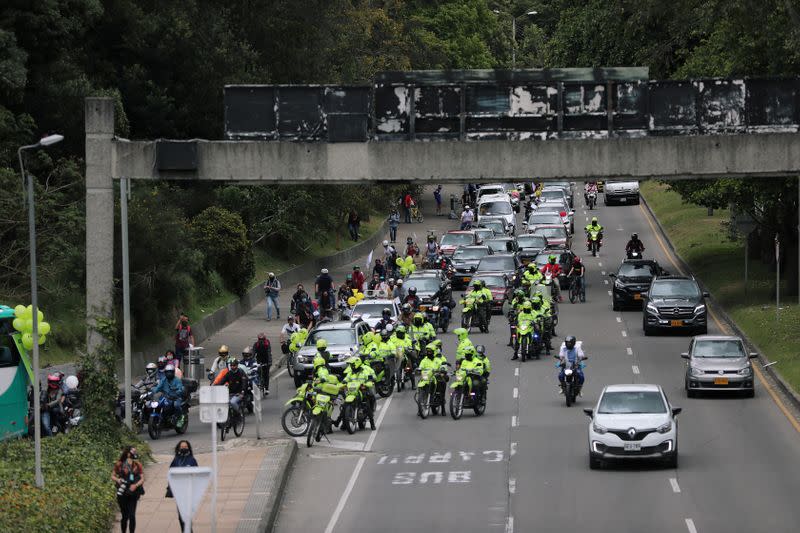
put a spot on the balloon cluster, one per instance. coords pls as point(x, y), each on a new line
point(23, 322)
point(355, 298)
point(406, 265)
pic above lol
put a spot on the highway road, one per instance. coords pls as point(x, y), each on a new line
point(523, 466)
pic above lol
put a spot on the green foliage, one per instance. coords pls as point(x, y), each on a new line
point(99, 384)
point(223, 236)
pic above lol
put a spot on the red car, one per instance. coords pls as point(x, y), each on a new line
point(453, 239)
point(556, 235)
point(498, 284)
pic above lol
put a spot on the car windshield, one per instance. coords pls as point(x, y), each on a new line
point(485, 191)
point(470, 253)
point(371, 308)
point(498, 245)
point(544, 218)
point(718, 348)
point(333, 336)
point(553, 195)
point(633, 270)
point(551, 233)
point(631, 402)
point(543, 259)
point(484, 233)
point(457, 239)
point(496, 263)
point(495, 208)
point(427, 284)
point(491, 281)
point(685, 289)
point(531, 241)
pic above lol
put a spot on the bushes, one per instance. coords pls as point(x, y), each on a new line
point(223, 237)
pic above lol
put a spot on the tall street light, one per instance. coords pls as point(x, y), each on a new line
point(514, 33)
point(37, 415)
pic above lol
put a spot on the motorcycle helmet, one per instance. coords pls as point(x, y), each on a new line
point(303, 331)
point(72, 382)
point(400, 333)
point(162, 361)
point(324, 271)
point(399, 282)
point(476, 284)
point(53, 381)
point(400, 329)
point(247, 353)
point(234, 364)
point(169, 371)
point(469, 352)
point(431, 238)
point(552, 259)
point(151, 369)
point(386, 313)
point(537, 304)
point(576, 261)
point(481, 349)
point(409, 240)
point(419, 319)
point(412, 291)
point(407, 307)
point(385, 242)
point(318, 362)
point(519, 293)
point(355, 362)
point(430, 351)
point(223, 351)
point(635, 237)
point(570, 341)
point(322, 345)
point(437, 343)
point(594, 221)
point(461, 333)
point(526, 306)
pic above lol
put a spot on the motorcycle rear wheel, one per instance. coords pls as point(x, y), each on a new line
point(456, 404)
point(384, 389)
point(154, 429)
point(295, 420)
point(568, 394)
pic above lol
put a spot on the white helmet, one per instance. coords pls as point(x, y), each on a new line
point(315, 314)
point(385, 243)
point(151, 368)
point(72, 382)
point(324, 270)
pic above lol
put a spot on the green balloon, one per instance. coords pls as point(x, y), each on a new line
point(27, 325)
point(42, 339)
point(18, 324)
point(40, 315)
point(19, 310)
point(27, 341)
point(44, 328)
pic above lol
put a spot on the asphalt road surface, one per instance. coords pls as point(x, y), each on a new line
point(523, 466)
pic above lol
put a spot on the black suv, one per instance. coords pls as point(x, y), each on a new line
point(676, 303)
point(632, 280)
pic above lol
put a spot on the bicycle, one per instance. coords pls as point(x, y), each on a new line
point(577, 291)
point(235, 421)
point(416, 214)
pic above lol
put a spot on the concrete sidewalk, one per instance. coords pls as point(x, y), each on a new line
point(252, 475)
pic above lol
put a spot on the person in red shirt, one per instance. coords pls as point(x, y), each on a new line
point(407, 202)
point(554, 269)
point(183, 336)
point(358, 278)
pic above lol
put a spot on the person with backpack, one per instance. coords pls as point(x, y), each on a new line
point(183, 336)
point(263, 352)
point(272, 288)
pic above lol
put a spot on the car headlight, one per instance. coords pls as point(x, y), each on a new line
point(652, 308)
point(600, 430)
point(696, 372)
point(700, 309)
point(746, 371)
point(665, 427)
point(618, 284)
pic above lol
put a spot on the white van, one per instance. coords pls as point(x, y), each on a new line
point(497, 206)
point(621, 192)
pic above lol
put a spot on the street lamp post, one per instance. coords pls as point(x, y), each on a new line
point(514, 33)
point(37, 416)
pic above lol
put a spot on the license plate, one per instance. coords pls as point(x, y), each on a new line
point(637, 296)
point(676, 323)
point(465, 279)
point(720, 381)
point(632, 446)
point(423, 308)
point(323, 398)
point(623, 200)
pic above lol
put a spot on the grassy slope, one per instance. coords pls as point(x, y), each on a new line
point(702, 242)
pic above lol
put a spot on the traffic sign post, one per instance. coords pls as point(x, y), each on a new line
point(213, 410)
point(188, 485)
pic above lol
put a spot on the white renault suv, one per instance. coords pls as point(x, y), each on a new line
point(633, 422)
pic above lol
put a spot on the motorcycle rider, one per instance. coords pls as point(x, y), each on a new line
point(172, 388)
point(247, 358)
point(634, 245)
point(237, 382)
point(532, 274)
point(399, 292)
point(431, 250)
point(554, 269)
point(386, 319)
point(412, 299)
point(161, 362)
point(594, 225)
point(52, 404)
point(464, 343)
point(515, 307)
point(544, 313)
point(480, 355)
point(356, 369)
point(526, 314)
point(262, 349)
point(471, 362)
point(588, 188)
point(570, 353)
point(484, 298)
point(467, 216)
point(402, 344)
point(323, 286)
point(422, 331)
point(407, 313)
point(150, 378)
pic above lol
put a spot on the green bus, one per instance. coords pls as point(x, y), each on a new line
point(16, 377)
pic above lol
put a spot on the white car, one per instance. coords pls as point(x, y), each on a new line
point(497, 206)
point(633, 421)
point(370, 310)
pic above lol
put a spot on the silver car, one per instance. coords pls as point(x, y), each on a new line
point(370, 310)
point(718, 363)
point(344, 342)
point(633, 421)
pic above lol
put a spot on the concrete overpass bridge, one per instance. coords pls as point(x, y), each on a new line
point(451, 126)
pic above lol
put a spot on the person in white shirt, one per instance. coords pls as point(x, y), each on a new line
point(286, 333)
point(466, 218)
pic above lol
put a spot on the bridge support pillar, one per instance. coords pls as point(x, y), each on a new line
point(99, 128)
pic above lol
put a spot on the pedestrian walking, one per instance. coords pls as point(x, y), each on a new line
point(437, 195)
point(183, 336)
point(353, 224)
point(272, 288)
point(394, 221)
point(183, 457)
point(408, 201)
point(128, 475)
point(263, 352)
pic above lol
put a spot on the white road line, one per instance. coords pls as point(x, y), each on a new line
point(516, 371)
point(599, 264)
point(587, 218)
point(635, 369)
point(510, 525)
point(584, 212)
point(689, 526)
point(516, 392)
point(609, 293)
point(605, 281)
point(354, 476)
point(512, 485)
point(629, 350)
point(513, 449)
point(624, 333)
point(279, 374)
point(675, 487)
point(603, 272)
point(619, 319)
point(514, 421)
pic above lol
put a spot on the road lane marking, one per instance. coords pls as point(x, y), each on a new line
point(605, 281)
point(603, 272)
point(629, 350)
point(516, 371)
point(624, 333)
point(675, 487)
point(514, 421)
point(516, 392)
point(513, 451)
point(599, 264)
point(619, 319)
point(690, 525)
point(587, 219)
point(635, 369)
point(761, 378)
point(609, 293)
point(279, 374)
point(512, 485)
point(356, 471)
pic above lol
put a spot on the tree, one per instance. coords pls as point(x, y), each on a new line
point(223, 237)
